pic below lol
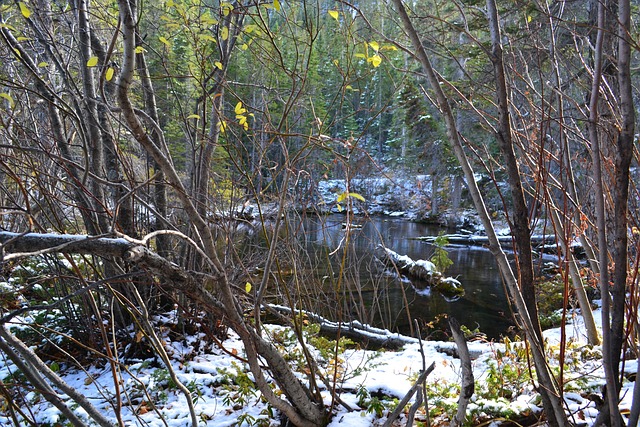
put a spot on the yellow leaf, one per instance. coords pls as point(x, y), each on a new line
point(224, 33)
point(43, 64)
point(92, 62)
point(239, 109)
point(164, 41)
point(360, 55)
point(218, 64)
point(244, 46)
point(24, 10)
point(342, 197)
point(140, 49)
point(207, 37)
point(170, 3)
point(193, 116)
point(374, 45)
point(226, 8)
point(389, 47)
point(223, 127)
point(529, 18)
point(22, 38)
point(109, 74)
point(8, 98)
point(375, 60)
point(334, 14)
point(357, 196)
point(276, 5)
point(247, 287)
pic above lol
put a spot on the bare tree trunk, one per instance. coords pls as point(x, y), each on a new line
point(548, 386)
point(622, 162)
point(302, 408)
point(519, 220)
point(61, 140)
point(609, 361)
point(468, 383)
point(93, 138)
point(159, 191)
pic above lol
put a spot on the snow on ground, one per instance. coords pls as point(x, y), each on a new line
point(225, 396)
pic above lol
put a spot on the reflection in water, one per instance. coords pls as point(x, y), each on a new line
point(373, 297)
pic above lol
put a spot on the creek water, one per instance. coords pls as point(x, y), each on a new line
point(372, 296)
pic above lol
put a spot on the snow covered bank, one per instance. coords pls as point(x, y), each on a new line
point(368, 382)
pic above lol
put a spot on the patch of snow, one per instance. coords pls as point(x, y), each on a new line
point(389, 372)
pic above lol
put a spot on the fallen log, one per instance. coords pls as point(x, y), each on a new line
point(370, 337)
point(421, 273)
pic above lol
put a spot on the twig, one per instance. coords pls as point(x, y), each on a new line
point(468, 384)
point(423, 376)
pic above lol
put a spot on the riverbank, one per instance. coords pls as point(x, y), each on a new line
point(370, 382)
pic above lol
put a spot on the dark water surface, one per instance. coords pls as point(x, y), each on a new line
point(373, 297)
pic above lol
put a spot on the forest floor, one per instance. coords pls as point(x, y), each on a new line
point(369, 382)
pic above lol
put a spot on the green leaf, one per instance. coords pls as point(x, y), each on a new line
point(24, 10)
point(247, 287)
point(334, 14)
point(7, 26)
point(8, 98)
point(109, 74)
point(92, 62)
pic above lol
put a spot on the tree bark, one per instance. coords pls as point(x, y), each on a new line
point(548, 387)
point(519, 220)
point(61, 141)
point(89, 114)
point(468, 383)
point(302, 408)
